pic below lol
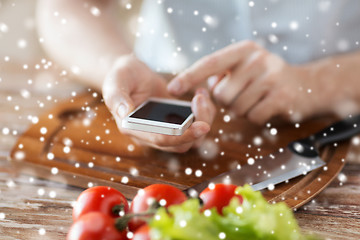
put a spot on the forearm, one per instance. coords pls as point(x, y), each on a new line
point(79, 40)
point(338, 82)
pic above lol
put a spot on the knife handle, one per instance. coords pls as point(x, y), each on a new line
point(337, 132)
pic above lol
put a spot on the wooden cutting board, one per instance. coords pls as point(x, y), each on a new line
point(78, 143)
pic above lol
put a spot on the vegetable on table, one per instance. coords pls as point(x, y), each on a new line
point(95, 226)
point(152, 197)
point(163, 212)
point(218, 196)
point(254, 219)
point(100, 199)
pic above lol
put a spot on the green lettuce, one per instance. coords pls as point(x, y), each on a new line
point(254, 219)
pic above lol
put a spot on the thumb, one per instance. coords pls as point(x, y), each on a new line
point(202, 106)
point(122, 105)
point(117, 99)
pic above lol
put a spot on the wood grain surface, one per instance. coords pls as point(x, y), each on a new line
point(86, 149)
point(32, 208)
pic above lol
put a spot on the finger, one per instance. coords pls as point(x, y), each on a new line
point(202, 106)
point(264, 110)
point(212, 81)
point(213, 64)
point(177, 149)
point(195, 131)
point(231, 86)
point(116, 94)
point(160, 91)
point(251, 95)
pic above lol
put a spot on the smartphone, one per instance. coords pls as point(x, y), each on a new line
point(158, 115)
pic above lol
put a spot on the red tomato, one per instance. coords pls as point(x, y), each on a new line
point(155, 192)
point(95, 226)
point(143, 233)
point(219, 196)
point(99, 199)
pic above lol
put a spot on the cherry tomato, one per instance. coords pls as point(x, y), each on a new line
point(143, 233)
point(219, 196)
point(161, 193)
point(95, 226)
point(99, 199)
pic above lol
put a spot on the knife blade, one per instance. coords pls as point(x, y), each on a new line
point(298, 158)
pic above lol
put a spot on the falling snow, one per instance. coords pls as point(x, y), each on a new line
point(42, 231)
point(210, 149)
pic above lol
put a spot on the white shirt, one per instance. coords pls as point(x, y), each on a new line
point(173, 34)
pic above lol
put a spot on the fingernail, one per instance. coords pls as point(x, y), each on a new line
point(202, 101)
point(175, 87)
point(212, 81)
point(202, 91)
point(217, 90)
point(199, 132)
point(122, 110)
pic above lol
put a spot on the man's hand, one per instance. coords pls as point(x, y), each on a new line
point(130, 82)
point(254, 83)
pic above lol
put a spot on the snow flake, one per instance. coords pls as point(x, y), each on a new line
point(22, 43)
point(131, 147)
point(198, 173)
point(342, 177)
point(128, 6)
point(257, 140)
point(227, 118)
point(294, 25)
point(239, 210)
point(52, 194)
point(124, 180)
point(41, 192)
point(271, 187)
point(43, 130)
point(273, 131)
point(42, 231)
point(183, 223)
point(356, 141)
point(4, 28)
point(67, 149)
point(54, 170)
point(251, 161)
point(162, 202)
point(95, 11)
point(50, 156)
point(129, 235)
point(211, 21)
point(222, 235)
point(207, 213)
point(5, 131)
point(273, 38)
point(134, 171)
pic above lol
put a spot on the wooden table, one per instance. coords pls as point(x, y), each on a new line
point(32, 208)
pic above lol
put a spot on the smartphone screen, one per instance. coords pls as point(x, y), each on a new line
point(163, 112)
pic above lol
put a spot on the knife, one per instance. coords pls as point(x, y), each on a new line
point(298, 158)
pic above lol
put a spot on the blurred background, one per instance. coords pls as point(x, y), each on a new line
point(19, 41)
point(18, 38)
point(31, 82)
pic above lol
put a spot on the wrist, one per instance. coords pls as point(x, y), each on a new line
point(333, 86)
point(317, 85)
